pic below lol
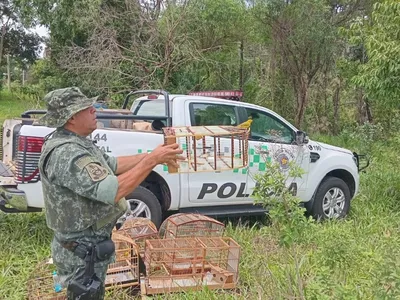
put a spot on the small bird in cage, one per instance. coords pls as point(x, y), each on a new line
point(246, 124)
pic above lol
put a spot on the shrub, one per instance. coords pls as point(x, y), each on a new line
point(286, 214)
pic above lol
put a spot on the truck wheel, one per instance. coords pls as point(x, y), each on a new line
point(144, 204)
point(332, 199)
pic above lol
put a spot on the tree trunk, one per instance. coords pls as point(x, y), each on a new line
point(336, 100)
point(3, 33)
point(241, 67)
point(272, 75)
point(8, 73)
point(368, 111)
point(360, 107)
point(364, 109)
point(326, 84)
point(302, 98)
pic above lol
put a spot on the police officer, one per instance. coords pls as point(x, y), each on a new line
point(84, 190)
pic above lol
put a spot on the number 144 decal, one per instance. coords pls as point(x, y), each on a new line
point(99, 137)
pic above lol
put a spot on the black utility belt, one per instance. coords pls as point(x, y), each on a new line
point(103, 250)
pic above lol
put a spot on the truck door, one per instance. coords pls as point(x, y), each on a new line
point(221, 186)
point(272, 139)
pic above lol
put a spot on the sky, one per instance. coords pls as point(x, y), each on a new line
point(42, 31)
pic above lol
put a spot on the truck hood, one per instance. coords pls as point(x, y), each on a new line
point(334, 148)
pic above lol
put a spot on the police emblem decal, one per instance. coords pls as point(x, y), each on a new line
point(283, 160)
point(283, 157)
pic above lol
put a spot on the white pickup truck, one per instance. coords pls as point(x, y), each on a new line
point(330, 181)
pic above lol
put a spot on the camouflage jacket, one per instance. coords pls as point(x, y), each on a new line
point(79, 185)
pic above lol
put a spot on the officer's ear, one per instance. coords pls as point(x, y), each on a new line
point(72, 120)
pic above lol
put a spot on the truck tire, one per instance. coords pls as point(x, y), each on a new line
point(332, 199)
point(145, 204)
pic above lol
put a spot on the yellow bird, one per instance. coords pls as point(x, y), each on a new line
point(246, 124)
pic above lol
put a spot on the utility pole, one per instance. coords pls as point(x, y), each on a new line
point(8, 72)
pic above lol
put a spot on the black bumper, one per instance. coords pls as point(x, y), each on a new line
point(362, 161)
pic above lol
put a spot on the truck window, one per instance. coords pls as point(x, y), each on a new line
point(204, 114)
point(148, 108)
point(266, 127)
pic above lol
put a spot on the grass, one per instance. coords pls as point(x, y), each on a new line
point(354, 258)
point(13, 104)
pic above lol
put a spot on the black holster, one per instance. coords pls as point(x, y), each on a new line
point(90, 286)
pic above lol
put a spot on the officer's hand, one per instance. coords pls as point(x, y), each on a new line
point(167, 154)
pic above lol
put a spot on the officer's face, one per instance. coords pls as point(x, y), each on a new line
point(85, 120)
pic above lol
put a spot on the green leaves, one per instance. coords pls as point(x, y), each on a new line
point(287, 217)
point(15, 40)
point(380, 75)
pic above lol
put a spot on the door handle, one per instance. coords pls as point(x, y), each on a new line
point(262, 152)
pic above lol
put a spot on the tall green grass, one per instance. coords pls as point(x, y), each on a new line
point(354, 258)
point(13, 104)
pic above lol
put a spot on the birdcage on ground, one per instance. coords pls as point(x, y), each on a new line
point(209, 148)
point(190, 225)
point(124, 271)
point(41, 285)
point(139, 229)
point(189, 263)
point(222, 259)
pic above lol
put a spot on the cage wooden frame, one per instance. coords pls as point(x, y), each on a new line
point(178, 264)
point(124, 271)
point(200, 159)
point(190, 225)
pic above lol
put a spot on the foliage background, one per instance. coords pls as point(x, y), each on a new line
point(323, 65)
point(331, 67)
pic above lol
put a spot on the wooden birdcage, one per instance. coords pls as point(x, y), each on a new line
point(139, 229)
point(178, 264)
point(190, 225)
point(209, 148)
point(40, 285)
point(222, 256)
point(124, 271)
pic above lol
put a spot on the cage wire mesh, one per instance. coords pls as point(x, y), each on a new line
point(209, 148)
point(139, 229)
point(189, 225)
point(124, 271)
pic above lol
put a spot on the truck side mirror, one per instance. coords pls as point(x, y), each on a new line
point(301, 138)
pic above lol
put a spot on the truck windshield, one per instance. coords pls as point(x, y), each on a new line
point(148, 108)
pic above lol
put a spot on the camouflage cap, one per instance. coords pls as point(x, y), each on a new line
point(62, 104)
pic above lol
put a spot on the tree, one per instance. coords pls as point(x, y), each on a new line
point(380, 35)
point(133, 45)
point(221, 29)
point(128, 46)
point(302, 36)
point(23, 46)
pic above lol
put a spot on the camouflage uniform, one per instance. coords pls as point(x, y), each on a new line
point(79, 187)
